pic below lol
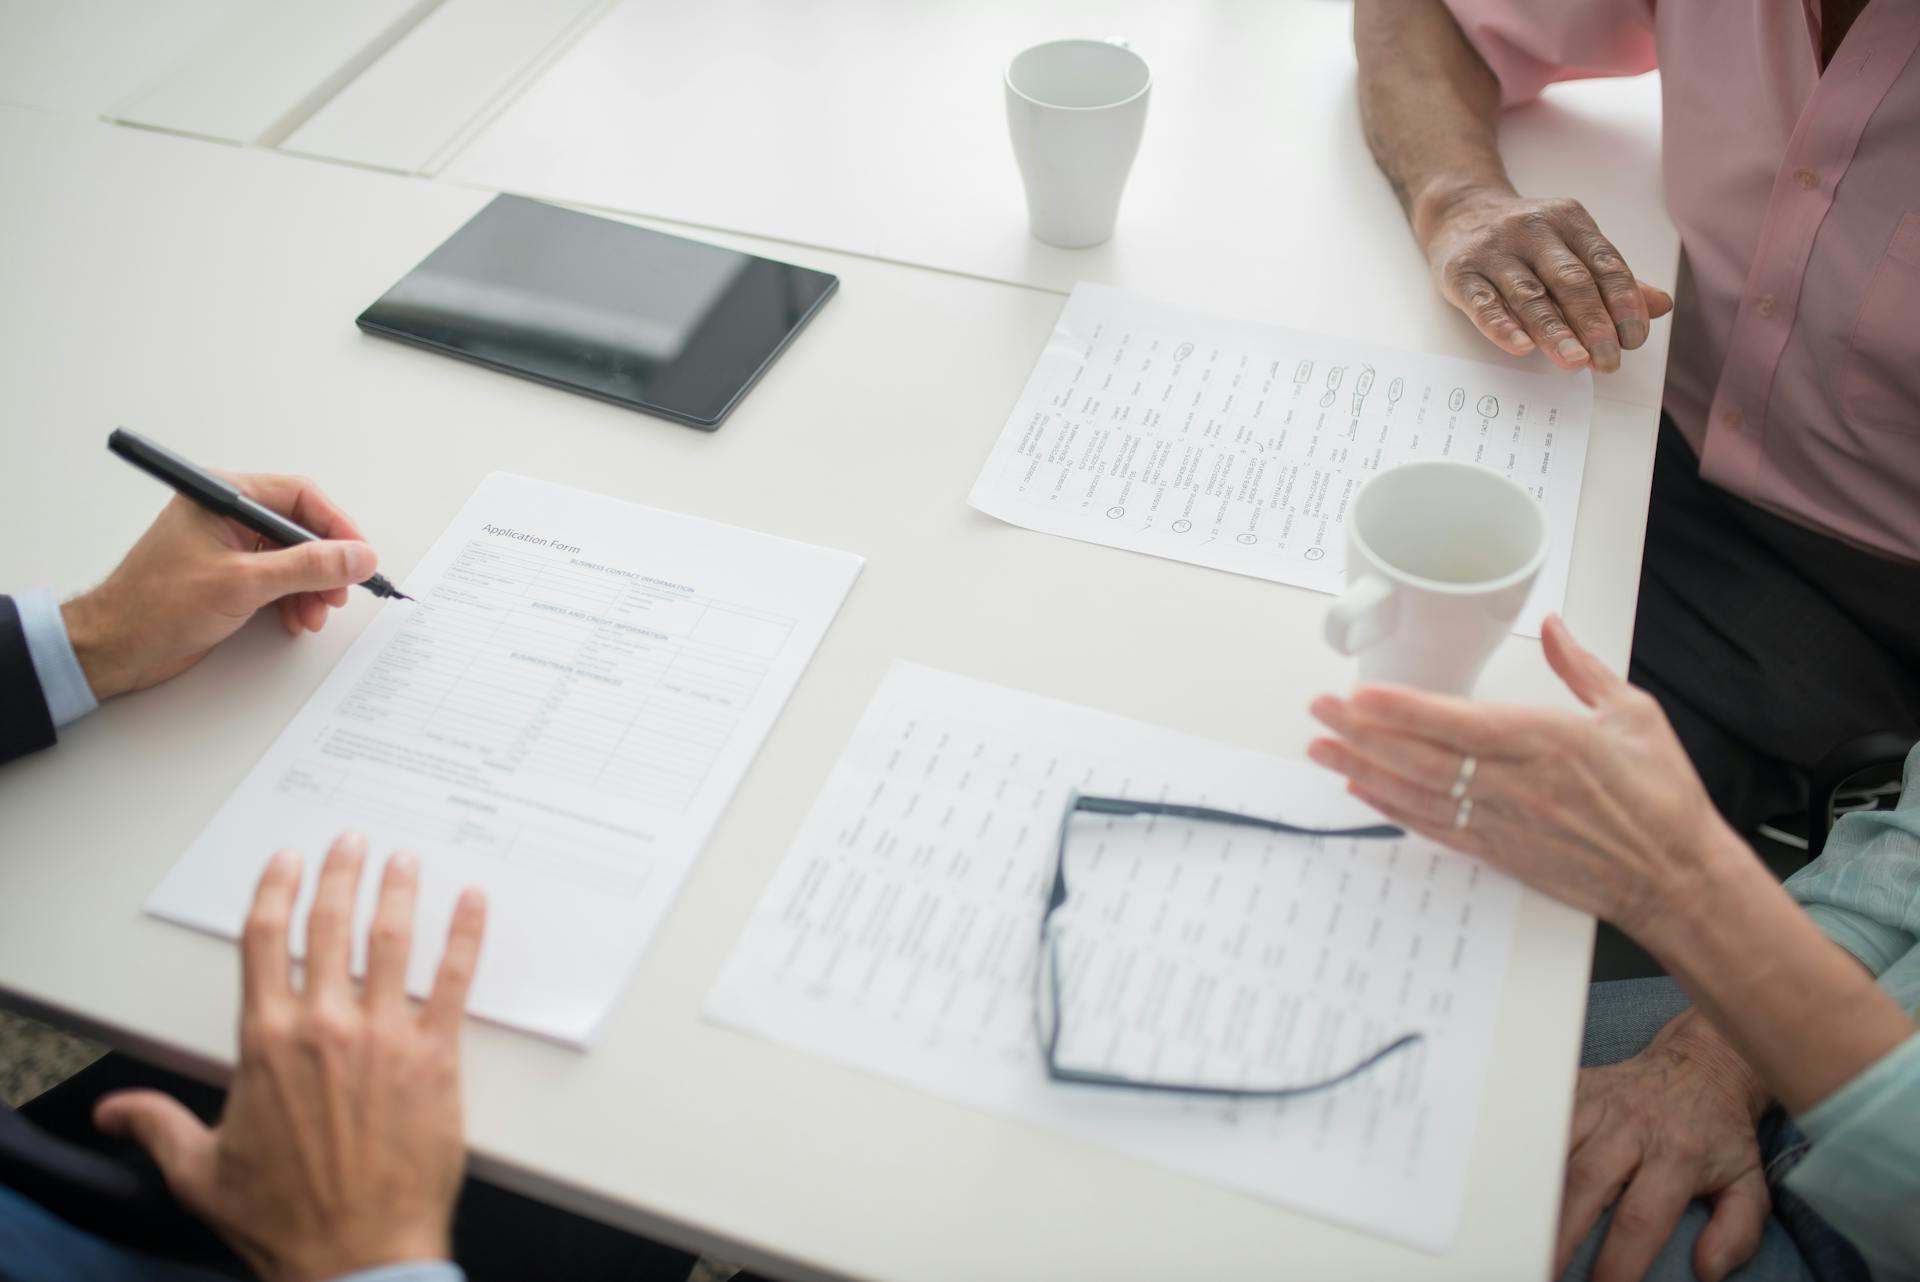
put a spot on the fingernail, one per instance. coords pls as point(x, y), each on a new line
point(473, 898)
point(405, 862)
point(360, 561)
point(284, 861)
point(1632, 333)
point(352, 845)
point(1520, 340)
point(1606, 356)
point(1571, 351)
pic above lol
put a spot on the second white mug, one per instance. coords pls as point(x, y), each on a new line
point(1075, 111)
point(1440, 558)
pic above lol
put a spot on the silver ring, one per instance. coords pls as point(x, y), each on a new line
point(1463, 813)
point(1468, 764)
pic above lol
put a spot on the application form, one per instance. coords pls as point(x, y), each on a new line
point(559, 718)
point(899, 937)
point(1239, 446)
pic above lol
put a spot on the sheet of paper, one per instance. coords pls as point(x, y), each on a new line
point(559, 718)
point(899, 936)
point(1159, 429)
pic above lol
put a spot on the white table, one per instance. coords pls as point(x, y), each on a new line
point(206, 294)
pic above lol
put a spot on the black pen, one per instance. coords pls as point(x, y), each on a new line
point(223, 499)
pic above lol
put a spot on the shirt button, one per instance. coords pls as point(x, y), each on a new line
point(1765, 306)
point(1807, 179)
point(1733, 418)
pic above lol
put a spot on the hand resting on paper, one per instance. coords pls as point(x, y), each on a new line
point(340, 1147)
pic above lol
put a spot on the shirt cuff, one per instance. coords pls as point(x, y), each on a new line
point(408, 1271)
point(63, 684)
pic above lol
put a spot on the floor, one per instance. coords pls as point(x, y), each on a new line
point(34, 1057)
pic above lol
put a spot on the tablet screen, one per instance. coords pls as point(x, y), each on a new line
point(656, 322)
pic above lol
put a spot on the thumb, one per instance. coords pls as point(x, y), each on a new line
point(1586, 676)
point(1659, 302)
point(312, 567)
point(176, 1139)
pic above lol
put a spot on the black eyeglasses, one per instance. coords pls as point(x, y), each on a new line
point(1048, 1010)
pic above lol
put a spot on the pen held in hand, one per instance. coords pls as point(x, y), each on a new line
point(222, 498)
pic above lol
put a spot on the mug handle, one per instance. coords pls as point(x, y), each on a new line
point(1362, 617)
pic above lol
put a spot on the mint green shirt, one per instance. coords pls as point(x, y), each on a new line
point(1862, 1171)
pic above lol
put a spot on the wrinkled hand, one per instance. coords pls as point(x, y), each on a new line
point(1674, 1123)
point(194, 578)
point(1538, 273)
point(340, 1146)
point(1601, 811)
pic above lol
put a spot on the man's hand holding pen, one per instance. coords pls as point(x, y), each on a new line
point(194, 578)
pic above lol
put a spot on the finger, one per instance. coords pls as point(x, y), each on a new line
point(335, 597)
point(1733, 1234)
point(313, 611)
point(301, 500)
point(1382, 779)
point(1530, 300)
point(290, 615)
point(447, 1004)
point(1475, 295)
point(390, 941)
point(311, 567)
point(1578, 296)
point(1589, 679)
point(1486, 730)
point(179, 1143)
point(1619, 290)
point(1659, 301)
point(330, 923)
point(1422, 823)
point(1643, 1220)
point(1427, 764)
point(1587, 1112)
point(1595, 1176)
point(266, 968)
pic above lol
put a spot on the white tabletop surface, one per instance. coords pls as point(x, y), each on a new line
point(880, 128)
point(206, 294)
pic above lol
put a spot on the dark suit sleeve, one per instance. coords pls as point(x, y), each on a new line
point(25, 724)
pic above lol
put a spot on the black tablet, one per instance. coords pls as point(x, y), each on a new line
point(636, 317)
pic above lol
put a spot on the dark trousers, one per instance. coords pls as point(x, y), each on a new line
point(108, 1188)
point(1768, 645)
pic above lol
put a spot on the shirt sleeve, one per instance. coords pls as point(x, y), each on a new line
point(1863, 1171)
point(64, 685)
point(1530, 44)
point(409, 1271)
point(1864, 889)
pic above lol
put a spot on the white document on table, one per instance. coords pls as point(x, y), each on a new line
point(1239, 446)
point(558, 718)
point(899, 936)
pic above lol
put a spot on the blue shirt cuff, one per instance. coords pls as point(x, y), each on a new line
point(63, 684)
point(408, 1271)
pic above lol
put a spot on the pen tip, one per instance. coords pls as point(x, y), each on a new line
point(403, 596)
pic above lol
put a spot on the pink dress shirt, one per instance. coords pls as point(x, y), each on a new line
point(1795, 364)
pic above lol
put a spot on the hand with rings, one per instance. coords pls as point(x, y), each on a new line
point(1601, 809)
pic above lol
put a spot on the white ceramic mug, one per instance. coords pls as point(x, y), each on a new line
point(1440, 558)
point(1075, 110)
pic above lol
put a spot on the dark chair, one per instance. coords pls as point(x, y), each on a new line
point(1861, 774)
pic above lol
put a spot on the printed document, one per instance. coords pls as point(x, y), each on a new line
point(558, 718)
point(1239, 446)
point(900, 937)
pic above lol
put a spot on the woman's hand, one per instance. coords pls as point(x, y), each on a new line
point(194, 578)
point(1602, 811)
point(1651, 1134)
